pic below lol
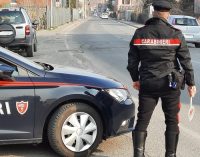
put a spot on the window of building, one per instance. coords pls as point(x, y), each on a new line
point(126, 1)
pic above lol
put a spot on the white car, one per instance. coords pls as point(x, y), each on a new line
point(189, 27)
point(17, 31)
point(104, 15)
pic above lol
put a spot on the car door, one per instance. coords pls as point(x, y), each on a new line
point(16, 102)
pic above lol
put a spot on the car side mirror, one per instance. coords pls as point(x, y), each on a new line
point(35, 23)
point(6, 72)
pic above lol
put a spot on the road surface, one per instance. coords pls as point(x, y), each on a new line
point(101, 46)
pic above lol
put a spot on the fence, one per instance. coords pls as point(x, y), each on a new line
point(61, 16)
point(76, 14)
point(37, 13)
point(128, 14)
point(46, 19)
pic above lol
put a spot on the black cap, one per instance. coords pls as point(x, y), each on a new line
point(162, 5)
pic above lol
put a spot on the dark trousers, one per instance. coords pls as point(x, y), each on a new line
point(148, 99)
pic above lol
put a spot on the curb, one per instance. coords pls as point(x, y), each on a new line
point(65, 26)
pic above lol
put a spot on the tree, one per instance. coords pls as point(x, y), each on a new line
point(71, 3)
point(110, 6)
point(187, 6)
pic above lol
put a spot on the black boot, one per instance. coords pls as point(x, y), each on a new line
point(171, 142)
point(139, 139)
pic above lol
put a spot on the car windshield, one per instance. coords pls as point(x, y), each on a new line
point(11, 17)
point(22, 59)
point(185, 22)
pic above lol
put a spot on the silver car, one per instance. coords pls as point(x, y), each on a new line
point(104, 15)
point(189, 27)
point(17, 32)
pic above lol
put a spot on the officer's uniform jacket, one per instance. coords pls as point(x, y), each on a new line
point(154, 50)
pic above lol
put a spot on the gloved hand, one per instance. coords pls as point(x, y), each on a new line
point(192, 91)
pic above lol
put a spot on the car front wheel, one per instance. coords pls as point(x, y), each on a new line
point(75, 130)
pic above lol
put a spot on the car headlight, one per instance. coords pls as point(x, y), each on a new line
point(119, 94)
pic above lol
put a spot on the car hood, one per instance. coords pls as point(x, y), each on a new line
point(83, 78)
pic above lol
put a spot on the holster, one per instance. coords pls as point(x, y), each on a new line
point(179, 76)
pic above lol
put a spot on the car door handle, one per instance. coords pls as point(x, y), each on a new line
point(19, 27)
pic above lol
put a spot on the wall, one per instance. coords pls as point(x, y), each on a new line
point(4, 2)
point(38, 3)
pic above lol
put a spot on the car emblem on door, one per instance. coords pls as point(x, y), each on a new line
point(22, 107)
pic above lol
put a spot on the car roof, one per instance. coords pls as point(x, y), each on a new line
point(182, 16)
point(11, 9)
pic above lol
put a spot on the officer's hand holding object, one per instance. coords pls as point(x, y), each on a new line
point(136, 85)
point(191, 111)
point(192, 91)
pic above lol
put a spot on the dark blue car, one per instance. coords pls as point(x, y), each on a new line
point(73, 109)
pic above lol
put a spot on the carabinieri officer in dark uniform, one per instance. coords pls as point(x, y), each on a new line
point(157, 61)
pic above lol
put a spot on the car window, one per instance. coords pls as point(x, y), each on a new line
point(22, 59)
point(11, 17)
point(15, 71)
point(185, 22)
point(27, 16)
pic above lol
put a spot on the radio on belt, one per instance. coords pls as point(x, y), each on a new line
point(172, 83)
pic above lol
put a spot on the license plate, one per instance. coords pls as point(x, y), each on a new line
point(6, 33)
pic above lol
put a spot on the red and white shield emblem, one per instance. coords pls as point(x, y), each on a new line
point(22, 107)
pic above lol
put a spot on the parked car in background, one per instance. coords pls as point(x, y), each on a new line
point(17, 32)
point(104, 15)
point(189, 27)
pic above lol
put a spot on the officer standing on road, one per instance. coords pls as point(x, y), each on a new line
point(157, 57)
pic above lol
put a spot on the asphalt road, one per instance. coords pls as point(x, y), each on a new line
point(101, 46)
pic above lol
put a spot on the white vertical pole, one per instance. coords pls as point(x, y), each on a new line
point(84, 10)
point(51, 13)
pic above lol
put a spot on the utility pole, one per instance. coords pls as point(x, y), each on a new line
point(51, 14)
point(84, 9)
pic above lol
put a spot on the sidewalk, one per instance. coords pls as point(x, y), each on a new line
point(64, 27)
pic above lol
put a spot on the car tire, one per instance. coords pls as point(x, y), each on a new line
point(30, 50)
point(35, 47)
point(197, 45)
point(65, 125)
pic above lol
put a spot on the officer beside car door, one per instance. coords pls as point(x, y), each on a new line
point(158, 53)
